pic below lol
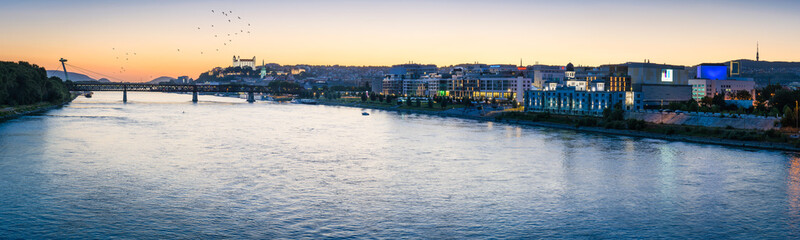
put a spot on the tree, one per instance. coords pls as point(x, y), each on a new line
point(430, 103)
point(718, 100)
point(614, 113)
point(742, 95)
point(764, 94)
point(23, 83)
point(372, 97)
point(419, 103)
point(706, 101)
point(783, 98)
point(692, 105)
point(788, 119)
point(363, 97)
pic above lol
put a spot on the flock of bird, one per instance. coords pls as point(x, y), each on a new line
point(225, 29)
point(122, 58)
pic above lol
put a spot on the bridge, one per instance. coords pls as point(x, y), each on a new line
point(147, 87)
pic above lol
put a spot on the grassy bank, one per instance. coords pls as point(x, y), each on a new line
point(9, 112)
point(728, 133)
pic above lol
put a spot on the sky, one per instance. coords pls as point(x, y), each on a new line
point(96, 35)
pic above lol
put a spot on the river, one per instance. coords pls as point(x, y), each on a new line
point(163, 167)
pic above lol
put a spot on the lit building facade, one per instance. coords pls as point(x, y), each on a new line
point(567, 100)
point(659, 84)
point(708, 88)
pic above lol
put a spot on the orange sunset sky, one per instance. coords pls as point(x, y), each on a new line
point(97, 35)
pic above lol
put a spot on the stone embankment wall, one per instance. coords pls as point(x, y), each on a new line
point(707, 119)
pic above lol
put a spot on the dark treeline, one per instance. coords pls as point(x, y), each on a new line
point(23, 83)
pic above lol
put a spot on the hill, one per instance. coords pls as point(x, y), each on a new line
point(765, 72)
point(75, 77)
point(161, 79)
point(750, 64)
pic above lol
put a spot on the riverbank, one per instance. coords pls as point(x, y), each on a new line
point(9, 113)
point(669, 135)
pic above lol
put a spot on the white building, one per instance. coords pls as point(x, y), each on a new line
point(242, 62)
point(709, 87)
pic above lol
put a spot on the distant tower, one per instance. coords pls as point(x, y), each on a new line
point(66, 76)
point(757, 51)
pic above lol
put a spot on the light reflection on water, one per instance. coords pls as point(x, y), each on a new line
point(162, 167)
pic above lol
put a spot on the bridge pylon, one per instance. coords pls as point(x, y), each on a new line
point(64, 66)
point(124, 93)
point(194, 94)
point(251, 96)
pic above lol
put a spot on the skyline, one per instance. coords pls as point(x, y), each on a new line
point(92, 34)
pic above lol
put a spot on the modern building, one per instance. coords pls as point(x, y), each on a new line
point(568, 100)
point(376, 85)
point(659, 84)
point(490, 87)
point(406, 79)
point(539, 74)
point(713, 79)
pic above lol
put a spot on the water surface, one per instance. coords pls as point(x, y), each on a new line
point(162, 167)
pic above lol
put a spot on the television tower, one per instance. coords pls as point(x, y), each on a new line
point(66, 76)
point(756, 51)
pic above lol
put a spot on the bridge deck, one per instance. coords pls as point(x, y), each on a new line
point(147, 87)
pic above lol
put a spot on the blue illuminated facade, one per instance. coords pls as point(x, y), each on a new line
point(713, 72)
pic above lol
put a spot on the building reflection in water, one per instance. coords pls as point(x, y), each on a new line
point(793, 190)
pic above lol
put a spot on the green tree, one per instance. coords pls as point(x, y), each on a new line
point(363, 97)
point(692, 105)
point(764, 94)
point(718, 100)
point(742, 95)
point(789, 118)
point(784, 97)
point(22, 83)
point(615, 113)
point(706, 101)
